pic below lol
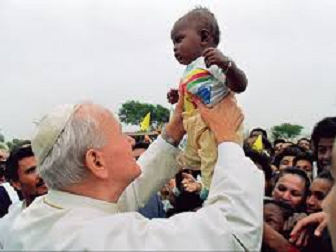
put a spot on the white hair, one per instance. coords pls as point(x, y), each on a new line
point(64, 166)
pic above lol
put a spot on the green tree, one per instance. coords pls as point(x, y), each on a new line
point(133, 112)
point(286, 130)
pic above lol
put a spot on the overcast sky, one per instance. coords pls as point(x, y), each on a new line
point(65, 51)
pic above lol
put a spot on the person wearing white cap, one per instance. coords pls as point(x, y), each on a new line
point(95, 186)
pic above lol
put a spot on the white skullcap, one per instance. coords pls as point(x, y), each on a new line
point(49, 129)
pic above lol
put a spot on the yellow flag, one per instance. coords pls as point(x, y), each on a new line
point(258, 144)
point(144, 125)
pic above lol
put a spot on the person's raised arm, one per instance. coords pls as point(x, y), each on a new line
point(237, 187)
point(231, 219)
point(158, 164)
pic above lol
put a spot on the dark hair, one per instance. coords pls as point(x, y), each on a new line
point(141, 145)
point(323, 129)
point(286, 209)
point(303, 139)
point(303, 156)
point(289, 151)
point(263, 132)
point(326, 175)
point(12, 163)
point(298, 172)
point(261, 159)
point(279, 140)
point(203, 18)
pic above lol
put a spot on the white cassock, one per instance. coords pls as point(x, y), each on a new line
point(230, 221)
point(6, 222)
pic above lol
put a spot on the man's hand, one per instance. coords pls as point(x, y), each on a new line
point(213, 56)
point(300, 231)
point(223, 119)
point(175, 128)
point(293, 220)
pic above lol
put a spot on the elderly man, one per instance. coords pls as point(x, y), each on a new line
point(87, 163)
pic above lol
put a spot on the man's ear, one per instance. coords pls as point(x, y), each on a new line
point(95, 162)
point(205, 36)
point(16, 185)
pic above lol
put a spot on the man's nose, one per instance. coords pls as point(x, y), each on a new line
point(286, 195)
point(310, 201)
point(175, 48)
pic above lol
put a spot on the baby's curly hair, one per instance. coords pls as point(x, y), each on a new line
point(204, 19)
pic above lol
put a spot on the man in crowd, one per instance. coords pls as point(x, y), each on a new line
point(304, 143)
point(257, 132)
point(87, 163)
point(304, 161)
point(21, 173)
point(323, 136)
point(277, 144)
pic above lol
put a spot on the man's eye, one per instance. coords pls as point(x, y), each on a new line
point(322, 150)
point(320, 195)
point(30, 170)
point(178, 39)
point(296, 194)
point(282, 188)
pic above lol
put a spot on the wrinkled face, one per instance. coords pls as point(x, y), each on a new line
point(317, 193)
point(324, 151)
point(304, 144)
point(278, 149)
point(286, 161)
point(290, 189)
point(305, 165)
point(273, 216)
point(30, 183)
point(117, 152)
point(187, 42)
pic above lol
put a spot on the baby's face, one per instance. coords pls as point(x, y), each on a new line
point(187, 43)
point(273, 216)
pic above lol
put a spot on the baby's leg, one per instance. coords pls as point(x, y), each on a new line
point(208, 153)
point(190, 156)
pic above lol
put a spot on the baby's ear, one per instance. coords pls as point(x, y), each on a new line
point(205, 36)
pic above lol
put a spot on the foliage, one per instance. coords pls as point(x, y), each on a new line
point(286, 131)
point(133, 112)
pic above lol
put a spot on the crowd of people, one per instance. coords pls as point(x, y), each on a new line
point(297, 181)
point(82, 184)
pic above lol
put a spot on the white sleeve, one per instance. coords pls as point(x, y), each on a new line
point(237, 189)
point(158, 164)
point(232, 217)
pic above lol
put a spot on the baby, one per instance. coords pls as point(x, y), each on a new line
point(210, 76)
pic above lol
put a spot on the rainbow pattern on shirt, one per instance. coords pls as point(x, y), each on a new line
point(196, 77)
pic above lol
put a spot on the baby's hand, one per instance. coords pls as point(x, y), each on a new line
point(213, 56)
point(173, 96)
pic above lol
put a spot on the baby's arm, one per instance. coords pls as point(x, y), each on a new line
point(236, 78)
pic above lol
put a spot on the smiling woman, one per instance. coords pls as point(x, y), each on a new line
point(292, 187)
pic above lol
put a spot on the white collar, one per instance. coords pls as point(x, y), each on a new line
point(64, 200)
